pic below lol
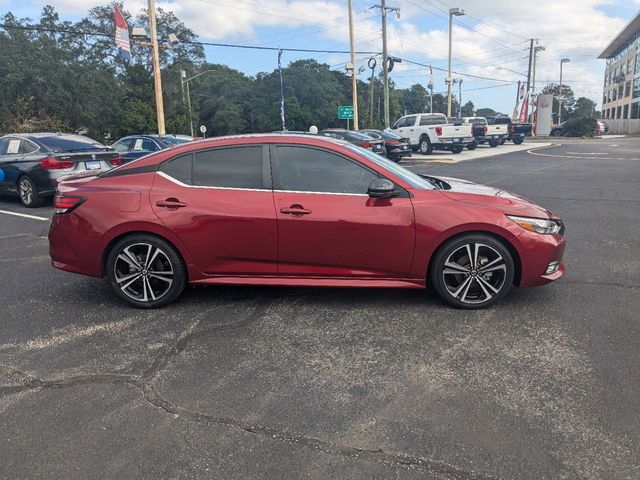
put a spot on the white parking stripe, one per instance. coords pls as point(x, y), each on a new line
point(24, 215)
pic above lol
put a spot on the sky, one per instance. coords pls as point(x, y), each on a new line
point(490, 41)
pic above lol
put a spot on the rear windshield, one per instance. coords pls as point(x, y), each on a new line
point(356, 136)
point(389, 135)
point(477, 121)
point(176, 140)
point(70, 143)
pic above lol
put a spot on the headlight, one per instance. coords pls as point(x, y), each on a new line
point(538, 225)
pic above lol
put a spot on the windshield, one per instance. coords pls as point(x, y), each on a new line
point(70, 143)
point(477, 121)
point(414, 180)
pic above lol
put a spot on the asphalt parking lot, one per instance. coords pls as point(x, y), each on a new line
point(244, 382)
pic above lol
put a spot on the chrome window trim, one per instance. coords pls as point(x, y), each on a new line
point(178, 182)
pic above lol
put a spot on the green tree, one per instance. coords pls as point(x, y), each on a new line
point(568, 98)
point(583, 107)
point(467, 109)
point(486, 112)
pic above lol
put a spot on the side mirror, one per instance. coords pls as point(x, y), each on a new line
point(381, 188)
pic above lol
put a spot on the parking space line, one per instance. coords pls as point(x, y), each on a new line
point(24, 215)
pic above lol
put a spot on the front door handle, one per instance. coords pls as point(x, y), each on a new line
point(170, 203)
point(295, 210)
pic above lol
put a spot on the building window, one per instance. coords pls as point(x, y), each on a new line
point(626, 111)
point(629, 66)
point(635, 110)
point(618, 112)
point(627, 88)
point(637, 63)
point(620, 90)
point(614, 96)
point(604, 99)
point(636, 87)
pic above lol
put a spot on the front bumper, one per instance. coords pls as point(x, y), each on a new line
point(536, 253)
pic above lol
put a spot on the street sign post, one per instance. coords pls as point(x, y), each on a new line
point(203, 130)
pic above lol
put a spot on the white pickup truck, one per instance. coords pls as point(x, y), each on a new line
point(483, 132)
point(432, 131)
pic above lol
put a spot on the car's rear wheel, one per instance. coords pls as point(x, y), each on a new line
point(457, 149)
point(425, 146)
point(494, 143)
point(518, 141)
point(145, 271)
point(28, 193)
point(472, 271)
point(472, 145)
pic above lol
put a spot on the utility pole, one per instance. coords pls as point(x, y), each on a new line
point(533, 80)
point(460, 97)
point(528, 90)
point(457, 12)
point(372, 66)
point(157, 79)
point(354, 82)
point(385, 65)
point(385, 57)
point(560, 97)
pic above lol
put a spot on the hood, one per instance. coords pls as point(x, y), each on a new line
point(469, 192)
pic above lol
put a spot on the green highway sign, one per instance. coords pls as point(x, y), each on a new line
point(345, 112)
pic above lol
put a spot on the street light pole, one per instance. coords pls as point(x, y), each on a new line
point(184, 81)
point(460, 97)
point(354, 82)
point(564, 60)
point(385, 66)
point(457, 12)
point(157, 79)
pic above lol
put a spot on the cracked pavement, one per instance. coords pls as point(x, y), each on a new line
point(248, 382)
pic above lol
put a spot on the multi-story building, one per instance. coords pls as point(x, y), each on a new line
point(621, 93)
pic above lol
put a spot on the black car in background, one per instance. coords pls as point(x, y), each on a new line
point(357, 138)
point(397, 146)
point(31, 163)
point(136, 146)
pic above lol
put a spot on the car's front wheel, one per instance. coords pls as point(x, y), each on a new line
point(457, 149)
point(518, 141)
point(425, 146)
point(472, 145)
point(472, 271)
point(145, 271)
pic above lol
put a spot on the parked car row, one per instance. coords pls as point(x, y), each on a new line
point(30, 164)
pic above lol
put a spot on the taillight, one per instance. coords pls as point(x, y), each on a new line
point(512, 128)
point(438, 131)
point(393, 142)
point(115, 161)
point(366, 144)
point(51, 163)
point(485, 130)
point(65, 204)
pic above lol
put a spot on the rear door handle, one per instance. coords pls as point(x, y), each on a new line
point(170, 203)
point(295, 210)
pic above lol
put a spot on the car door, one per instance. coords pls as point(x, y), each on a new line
point(327, 223)
point(219, 202)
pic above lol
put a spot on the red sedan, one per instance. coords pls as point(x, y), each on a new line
point(297, 210)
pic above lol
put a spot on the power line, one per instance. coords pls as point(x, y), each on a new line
point(458, 73)
point(213, 44)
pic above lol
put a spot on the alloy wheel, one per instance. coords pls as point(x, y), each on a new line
point(143, 272)
point(25, 189)
point(474, 273)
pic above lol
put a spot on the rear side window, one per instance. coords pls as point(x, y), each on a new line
point(179, 168)
point(122, 146)
point(303, 169)
point(432, 120)
point(27, 147)
point(238, 167)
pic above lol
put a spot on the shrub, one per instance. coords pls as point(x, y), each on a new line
point(580, 127)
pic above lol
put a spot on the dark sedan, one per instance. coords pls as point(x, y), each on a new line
point(357, 138)
point(397, 147)
point(30, 164)
point(136, 146)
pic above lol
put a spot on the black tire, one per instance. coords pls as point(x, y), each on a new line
point(472, 145)
point(502, 141)
point(455, 149)
point(494, 143)
point(472, 288)
point(131, 277)
point(28, 193)
point(424, 145)
point(518, 141)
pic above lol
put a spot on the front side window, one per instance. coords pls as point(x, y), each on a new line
point(303, 169)
point(27, 147)
point(237, 167)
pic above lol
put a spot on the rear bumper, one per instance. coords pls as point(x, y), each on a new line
point(71, 249)
point(453, 141)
